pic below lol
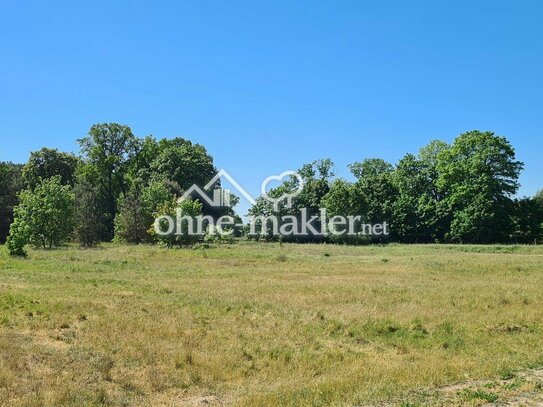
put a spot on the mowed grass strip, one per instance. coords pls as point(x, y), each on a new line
point(262, 324)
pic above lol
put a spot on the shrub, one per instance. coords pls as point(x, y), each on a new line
point(43, 218)
point(175, 211)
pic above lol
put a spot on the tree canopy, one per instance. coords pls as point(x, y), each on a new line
point(47, 163)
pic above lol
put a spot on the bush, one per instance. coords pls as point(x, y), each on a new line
point(18, 238)
point(43, 218)
point(175, 211)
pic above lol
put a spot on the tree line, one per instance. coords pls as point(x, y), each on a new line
point(463, 192)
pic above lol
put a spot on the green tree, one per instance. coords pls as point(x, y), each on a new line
point(183, 162)
point(316, 177)
point(538, 198)
point(410, 182)
point(375, 184)
point(10, 186)
point(478, 176)
point(432, 207)
point(88, 219)
point(156, 194)
point(137, 208)
point(43, 217)
point(132, 222)
point(418, 209)
point(527, 221)
point(147, 150)
point(344, 199)
point(175, 211)
point(47, 163)
point(109, 151)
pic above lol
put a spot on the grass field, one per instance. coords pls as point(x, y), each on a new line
point(269, 325)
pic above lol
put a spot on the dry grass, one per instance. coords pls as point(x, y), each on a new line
point(264, 325)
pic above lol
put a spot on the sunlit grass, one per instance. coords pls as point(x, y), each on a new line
point(264, 324)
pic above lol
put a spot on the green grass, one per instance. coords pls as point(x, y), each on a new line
point(263, 324)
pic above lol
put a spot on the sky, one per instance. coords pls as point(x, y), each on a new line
point(266, 86)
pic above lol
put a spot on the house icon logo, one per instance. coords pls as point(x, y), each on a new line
point(215, 196)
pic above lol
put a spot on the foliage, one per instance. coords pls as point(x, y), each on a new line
point(479, 175)
point(19, 235)
point(418, 215)
point(43, 217)
point(131, 222)
point(46, 163)
point(316, 177)
point(137, 208)
point(136, 211)
point(156, 194)
point(177, 227)
point(539, 198)
point(527, 221)
point(344, 198)
point(10, 186)
point(462, 193)
point(88, 219)
point(183, 162)
point(108, 152)
point(376, 187)
point(447, 193)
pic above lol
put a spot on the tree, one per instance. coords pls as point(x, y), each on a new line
point(316, 178)
point(137, 208)
point(43, 218)
point(131, 222)
point(10, 186)
point(409, 181)
point(147, 150)
point(185, 163)
point(46, 163)
point(375, 184)
point(527, 221)
point(108, 151)
point(88, 219)
point(478, 176)
point(538, 198)
point(432, 206)
point(156, 194)
point(344, 199)
point(370, 167)
point(176, 211)
point(418, 209)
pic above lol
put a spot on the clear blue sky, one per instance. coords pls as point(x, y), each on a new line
point(266, 86)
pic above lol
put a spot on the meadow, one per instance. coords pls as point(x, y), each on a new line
point(252, 324)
